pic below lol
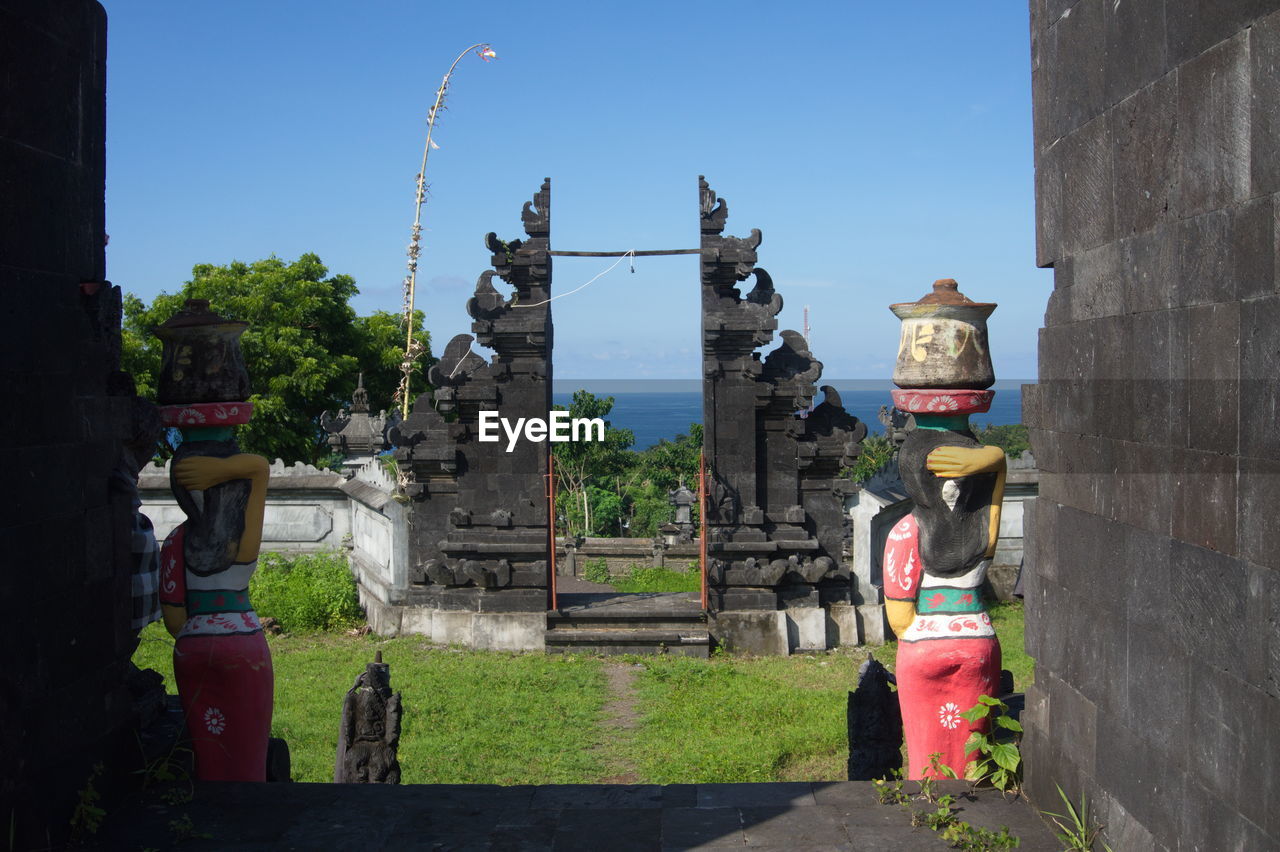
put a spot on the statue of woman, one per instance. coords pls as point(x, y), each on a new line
point(220, 657)
point(936, 558)
point(935, 562)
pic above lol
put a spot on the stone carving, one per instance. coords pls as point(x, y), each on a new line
point(370, 729)
point(875, 724)
point(478, 514)
point(936, 558)
point(220, 658)
point(356, 434)
point(775, 520)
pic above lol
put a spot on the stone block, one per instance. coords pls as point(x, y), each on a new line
point(416, 621)
point(1135, 55)
point(1151, 268)
point(1075, 57)
point(1156, 687)
point(1259, 366)
point(1228, 740)
point(453, 628)
point(1097, 284)
point(841, 624)
point(509, 631)
point(1088, 203)
point(1194, 26)
point(1209, 823)
point(1146, 780)
point(1145, 130)
point(1149, 388)
point(758, 633)
point(1122, 830)
point(1049, 186)
point(1208, 620)
point(806, 629)
point(1264, 116)
point(1213, 127)
point(1205, 507)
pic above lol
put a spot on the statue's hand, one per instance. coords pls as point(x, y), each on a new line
point(950, 462)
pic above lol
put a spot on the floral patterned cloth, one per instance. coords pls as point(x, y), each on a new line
point(946, 658)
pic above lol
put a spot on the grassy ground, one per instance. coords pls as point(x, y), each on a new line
point(486, 717)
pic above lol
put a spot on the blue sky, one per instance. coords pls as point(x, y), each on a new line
point(878, 146)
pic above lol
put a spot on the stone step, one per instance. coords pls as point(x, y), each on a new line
point(686, 641)
point(622, 621)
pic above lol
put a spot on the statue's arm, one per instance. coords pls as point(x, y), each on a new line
point(197, 473)
point(901, 614)
point(174, 618)
point(950, 462)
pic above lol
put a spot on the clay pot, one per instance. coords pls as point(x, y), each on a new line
point(202, 361)
point(944, 341)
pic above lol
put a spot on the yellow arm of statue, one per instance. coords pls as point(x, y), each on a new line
point(950, 462)
point(200, 472)
point(901, 614)
point(174, 618)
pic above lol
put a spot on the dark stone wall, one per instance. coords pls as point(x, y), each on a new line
point(64, 587)
point(1153, 593)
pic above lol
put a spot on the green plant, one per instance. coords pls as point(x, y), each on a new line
point(971, 838)
point(889, 791)
point(87, 816)
point(997, 762)
point(183, 829)
point(312, 591)
point(1078, 832)
point(596, 571)
point(875, 451)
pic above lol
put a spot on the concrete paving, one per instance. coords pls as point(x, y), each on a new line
point(618, 818)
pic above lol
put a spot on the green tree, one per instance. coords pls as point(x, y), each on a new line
point(1011, 437)
point(587, 472)
point(303, 348)
point(876, 450)
point(656, 472)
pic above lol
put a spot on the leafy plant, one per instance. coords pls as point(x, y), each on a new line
point(876, 450)
point(1013, 438)
point(997, 762)
point(87, 816)
point(596, 571)
point(311, 591)
point(1077, 832)
point(183, 829)
point(889, 791)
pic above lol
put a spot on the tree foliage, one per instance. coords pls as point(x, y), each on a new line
point(607, 489)
point(304, 346)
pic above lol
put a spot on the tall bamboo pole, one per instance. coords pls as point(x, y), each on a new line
point(486, 53)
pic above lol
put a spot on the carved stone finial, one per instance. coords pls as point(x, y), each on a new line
point(360, 398)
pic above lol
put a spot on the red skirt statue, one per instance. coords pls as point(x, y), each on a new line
point(947, 657)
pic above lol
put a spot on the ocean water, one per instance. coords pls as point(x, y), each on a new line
point(654, 414)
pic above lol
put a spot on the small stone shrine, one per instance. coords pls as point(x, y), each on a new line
point(683, 499)
point(370, 729)
point(355, 434)
point(775, 516)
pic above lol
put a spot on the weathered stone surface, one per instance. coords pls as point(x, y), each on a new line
point(1213, 127)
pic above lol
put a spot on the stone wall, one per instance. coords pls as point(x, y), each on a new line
point(64, 579)
point(1152, 590)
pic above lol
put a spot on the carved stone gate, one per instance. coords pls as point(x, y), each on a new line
point(478, 515)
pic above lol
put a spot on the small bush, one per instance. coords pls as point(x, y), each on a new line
point(310, 591)
point(596, 571)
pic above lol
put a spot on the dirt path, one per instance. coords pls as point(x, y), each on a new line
point(620, 718)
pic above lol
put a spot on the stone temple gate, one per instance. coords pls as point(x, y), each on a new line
point(478, 536)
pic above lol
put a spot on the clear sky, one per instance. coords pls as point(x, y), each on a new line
point(878, 146)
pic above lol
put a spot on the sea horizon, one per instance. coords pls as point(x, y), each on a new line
point(655, 409)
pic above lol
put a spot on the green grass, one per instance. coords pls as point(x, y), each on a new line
point(657, 580)
point(489, 717)
point(470, 717)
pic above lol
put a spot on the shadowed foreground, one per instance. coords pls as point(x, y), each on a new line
point(800, 815)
